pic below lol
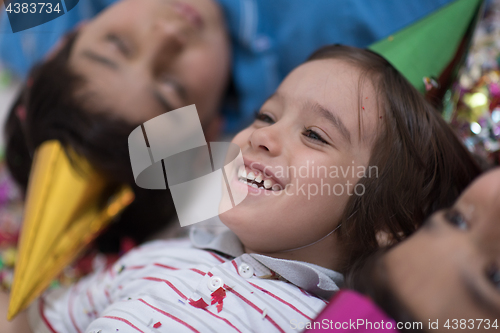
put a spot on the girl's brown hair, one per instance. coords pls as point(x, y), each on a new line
point(422, 166)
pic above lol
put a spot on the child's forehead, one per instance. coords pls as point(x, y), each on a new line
point(336, 70)
point(484, 193)
point(335, 81)
point(340, 87)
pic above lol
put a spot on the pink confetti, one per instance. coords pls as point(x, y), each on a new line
point(158, 324)
point(21, 112)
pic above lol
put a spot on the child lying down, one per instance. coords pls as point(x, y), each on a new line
point(285, 250)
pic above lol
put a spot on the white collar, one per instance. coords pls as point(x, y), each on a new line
point(312, 278)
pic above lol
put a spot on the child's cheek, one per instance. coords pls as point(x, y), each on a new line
point(242, 137)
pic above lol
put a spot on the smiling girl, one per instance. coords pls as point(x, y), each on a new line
point(284, 252)
point(345, 108)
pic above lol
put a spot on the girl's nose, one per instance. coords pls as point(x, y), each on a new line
point(169, 35)
point(165, 40)
point(266, 139)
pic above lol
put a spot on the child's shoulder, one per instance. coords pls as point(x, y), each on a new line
point(161, 247)
point(183, 242)
point(180, 251)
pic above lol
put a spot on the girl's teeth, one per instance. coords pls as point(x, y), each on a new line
point(255, 181)
point(259, 178)
point(242, 172)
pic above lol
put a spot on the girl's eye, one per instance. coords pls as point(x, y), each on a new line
point(119, 43)
point(263, 117)
point(309, 133)
point(457, 219)
point(494, 275)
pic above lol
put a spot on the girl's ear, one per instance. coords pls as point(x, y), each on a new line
point(385, 238)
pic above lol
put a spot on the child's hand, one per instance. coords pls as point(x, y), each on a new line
point(18, 325)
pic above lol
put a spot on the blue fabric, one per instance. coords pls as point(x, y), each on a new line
point(272, 37)
point(269, 38)
point(20, 51)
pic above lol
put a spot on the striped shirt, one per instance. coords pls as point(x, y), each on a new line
point(176, 286)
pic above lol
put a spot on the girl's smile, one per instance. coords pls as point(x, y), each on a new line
point(311, 122)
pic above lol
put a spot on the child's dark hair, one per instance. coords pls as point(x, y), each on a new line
point(422, 166)
point(49, 108)
point(369, 277)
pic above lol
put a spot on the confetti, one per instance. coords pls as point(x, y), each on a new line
point(430, 83)
point(9, 257)
point(217, 297)
point(472, 105)
point(158, 324)
point(21, 113)
point(201, 304)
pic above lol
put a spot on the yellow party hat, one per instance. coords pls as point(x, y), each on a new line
point(66, 208)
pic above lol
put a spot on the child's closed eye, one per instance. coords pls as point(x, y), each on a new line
point(119, 43)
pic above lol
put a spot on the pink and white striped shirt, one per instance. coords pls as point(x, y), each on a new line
point(180, 286)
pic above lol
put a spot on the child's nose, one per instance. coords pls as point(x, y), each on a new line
point(170, 34)
point(166, 39)
point(266, 139)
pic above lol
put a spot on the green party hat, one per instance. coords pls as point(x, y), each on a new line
point(427, 47)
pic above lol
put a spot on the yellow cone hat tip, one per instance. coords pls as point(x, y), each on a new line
point(65, 210)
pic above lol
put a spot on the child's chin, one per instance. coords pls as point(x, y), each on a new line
point(225, 205)
point(232, 218)
point(227, 217)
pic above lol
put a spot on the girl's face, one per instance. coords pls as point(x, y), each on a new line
point(142, 58)
point(310, 142)
point(450, 268)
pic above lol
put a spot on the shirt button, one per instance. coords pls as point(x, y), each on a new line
point(215, 283)
point(245, 270)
